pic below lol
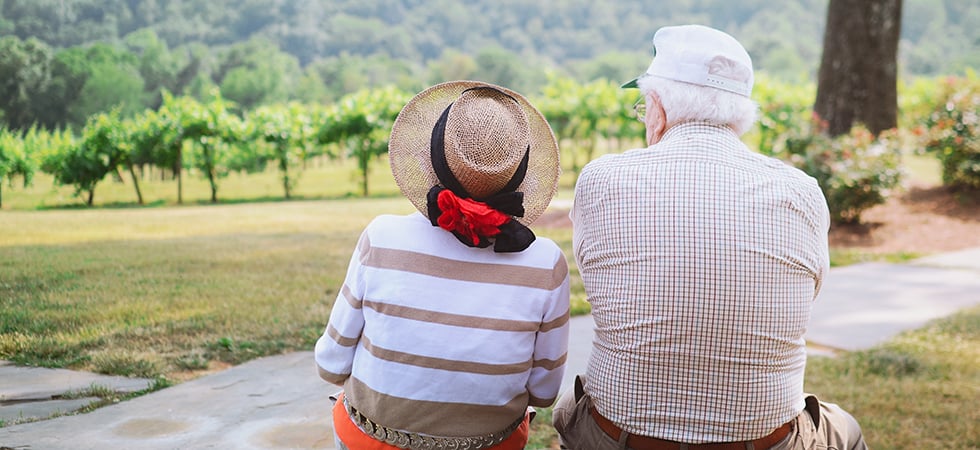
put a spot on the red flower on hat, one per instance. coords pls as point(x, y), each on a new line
point(469, 218)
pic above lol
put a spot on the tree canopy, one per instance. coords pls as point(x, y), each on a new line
point(63, 60)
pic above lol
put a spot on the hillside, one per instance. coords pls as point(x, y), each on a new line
point(939, 36)
point(62, 61)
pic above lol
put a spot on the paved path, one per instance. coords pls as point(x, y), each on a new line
point(279, 402)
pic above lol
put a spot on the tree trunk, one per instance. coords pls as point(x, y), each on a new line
point(857, 81)
point(363, 163)
point(91, 196)
point(136, 184)
point(364, 180)
point(214, 185)
point(178, 171)
point(284, 169)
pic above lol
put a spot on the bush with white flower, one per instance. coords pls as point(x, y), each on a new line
point(856, 171)
point(952, 132)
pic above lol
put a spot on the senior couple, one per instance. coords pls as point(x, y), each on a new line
point(700, 258)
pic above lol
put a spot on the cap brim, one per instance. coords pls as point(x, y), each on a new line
point(631, 84)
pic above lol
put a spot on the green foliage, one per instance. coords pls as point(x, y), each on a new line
point(238, 351)
point(255, 72)
point(210, 139)
point(14, 160)
point(784, 110)
point(163, 135)
point(318, 50)
point(42, 350)
point(62, 62)
point(24, 74)
point(100, 151)
point(360, 123)
point(111, 81)
point(840, 257)
point(158, 66)
point(917, 98)
point(952, 132)
point(212, 131)
point(452, 65)
point(501, 66)
point(50, 157)
point(582, 115)
point(287, 132)
point(126, 364)
point(855, 171)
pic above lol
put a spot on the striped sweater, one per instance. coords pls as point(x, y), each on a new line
point(430, 336)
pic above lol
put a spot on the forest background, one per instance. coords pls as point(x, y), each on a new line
point(61, 61)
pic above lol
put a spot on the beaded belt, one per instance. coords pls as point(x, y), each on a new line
point(417, 441)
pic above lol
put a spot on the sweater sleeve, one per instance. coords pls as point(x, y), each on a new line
point(551, 344)
point(334, 350)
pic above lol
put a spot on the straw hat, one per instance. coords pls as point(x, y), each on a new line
point(488, 132)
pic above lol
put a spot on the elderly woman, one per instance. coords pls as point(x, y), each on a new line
point(452, 322)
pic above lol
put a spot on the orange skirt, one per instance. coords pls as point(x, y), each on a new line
point(355, 439)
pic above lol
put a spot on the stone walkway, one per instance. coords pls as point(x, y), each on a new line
point(279, 402)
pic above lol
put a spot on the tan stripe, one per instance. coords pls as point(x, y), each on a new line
point(353, 301)
point(363, 246)
point(552, 324)
point(339, 338)
point(331, 377)
point(560, 272)
point(550, 364)
point(430, 417)
point(414, 262)
point(444, 364)
point(540, 402)
point(458, 320)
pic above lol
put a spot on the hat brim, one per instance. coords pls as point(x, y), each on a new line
point(410, 157)
point(631, 84)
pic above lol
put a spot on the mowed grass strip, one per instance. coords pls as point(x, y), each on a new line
point(319, 180)
point(919, 390)
point(161, 291)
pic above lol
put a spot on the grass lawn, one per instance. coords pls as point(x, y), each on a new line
point(172, 291)
point(161, 290)
point(919, 390)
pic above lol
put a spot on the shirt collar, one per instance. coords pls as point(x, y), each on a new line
point(695, 128)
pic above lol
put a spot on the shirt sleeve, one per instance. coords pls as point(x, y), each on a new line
point(583, 201)
point(334, 350)
point(551, 345)
point(822, 246)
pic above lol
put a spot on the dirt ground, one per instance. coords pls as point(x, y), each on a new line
point(922, 220)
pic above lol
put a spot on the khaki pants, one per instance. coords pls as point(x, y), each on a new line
point(821, 426)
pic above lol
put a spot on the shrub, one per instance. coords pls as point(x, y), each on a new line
point(784, 109)
point(952, 132)
point(856, 171)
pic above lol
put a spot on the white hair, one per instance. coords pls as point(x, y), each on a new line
point(686, 102)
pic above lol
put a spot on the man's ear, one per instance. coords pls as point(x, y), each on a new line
point(656, 118)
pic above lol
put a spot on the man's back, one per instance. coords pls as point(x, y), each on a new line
point(701, 260)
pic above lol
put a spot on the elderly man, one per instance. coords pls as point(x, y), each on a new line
point(701, 260)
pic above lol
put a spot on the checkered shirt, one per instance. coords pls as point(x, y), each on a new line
point(701, 260)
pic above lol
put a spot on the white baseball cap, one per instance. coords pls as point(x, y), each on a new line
point(685, 53)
